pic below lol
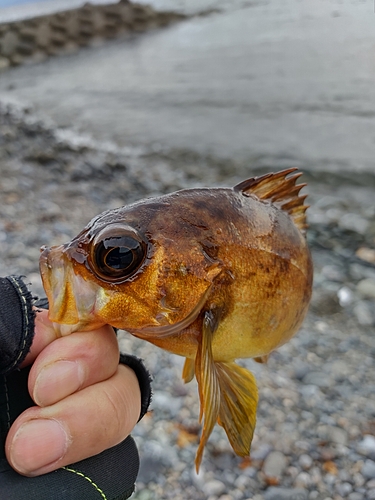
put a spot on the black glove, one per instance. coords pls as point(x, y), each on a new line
point(110, 475)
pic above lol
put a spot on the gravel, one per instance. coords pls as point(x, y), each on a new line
point(315, 434)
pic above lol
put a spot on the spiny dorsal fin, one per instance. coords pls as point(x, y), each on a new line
point(280, 189)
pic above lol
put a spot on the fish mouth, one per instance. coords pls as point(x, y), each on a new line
point(72, 300)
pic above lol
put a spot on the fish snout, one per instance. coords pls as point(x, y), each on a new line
point(72, 300)
point(56, 270)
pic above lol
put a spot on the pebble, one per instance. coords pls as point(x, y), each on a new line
point(162, 401)
point(275, 493)
point(261, 452)
point(368, 469)
point(345, 296)
point(367, 445)
point(344, 489)
point(317, 378)
point(354, 222)
point(305, 461)
point(303, 480)
point(366, 288)
point(364, 314)
point(275, 464)
point(325, 302)
point(214, 487)
point(355, 496)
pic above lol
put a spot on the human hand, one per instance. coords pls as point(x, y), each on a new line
point(86, 402)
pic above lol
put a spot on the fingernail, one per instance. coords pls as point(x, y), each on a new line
point(36, 444)
point(57, 381)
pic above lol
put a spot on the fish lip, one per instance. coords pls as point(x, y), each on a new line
point(45, 269)
point(71, 306)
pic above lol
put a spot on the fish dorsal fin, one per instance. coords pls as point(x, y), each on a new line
point(282, 191)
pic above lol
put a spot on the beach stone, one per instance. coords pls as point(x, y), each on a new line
point(368, 469)
point(354, 222)
point(358, 480)
point(345, 296)
point(261, 452)
point(367, 445)
point(313, 495)
point(363, 313)
point(334, 434)
point(325, 302)
point(303, 480)
point(355, 496)
point(163, 401)
point(359, 272)
point(333, 273)
point(275, 493)
point(305, 461)
point(214, 487)
point(366, 288)
point(344, 489)
point(144, 494)
point(275, 464)
point(319, 379)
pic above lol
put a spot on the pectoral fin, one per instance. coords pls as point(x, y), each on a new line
point(228, 395)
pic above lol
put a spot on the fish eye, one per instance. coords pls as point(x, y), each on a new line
point(117, 252)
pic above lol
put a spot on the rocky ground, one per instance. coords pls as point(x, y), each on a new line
point(315, 436)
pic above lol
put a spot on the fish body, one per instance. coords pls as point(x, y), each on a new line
point(211, 274)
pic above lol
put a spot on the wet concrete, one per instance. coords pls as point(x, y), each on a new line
point(253, 82)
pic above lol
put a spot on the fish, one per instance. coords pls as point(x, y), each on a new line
point(210, 274)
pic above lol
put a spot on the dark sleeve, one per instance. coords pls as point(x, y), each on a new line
point(16, 322)
point(144, 380)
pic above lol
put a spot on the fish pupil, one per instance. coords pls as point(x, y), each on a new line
point(119, 258)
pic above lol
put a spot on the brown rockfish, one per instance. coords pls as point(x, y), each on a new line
point(209, 274)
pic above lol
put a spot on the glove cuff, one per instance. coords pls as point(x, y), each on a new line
point(144, 379)
point(17, 321)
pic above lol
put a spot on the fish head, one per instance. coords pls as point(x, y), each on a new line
point(137, 268)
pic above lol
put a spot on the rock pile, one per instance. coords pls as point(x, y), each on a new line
point(65, 32)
